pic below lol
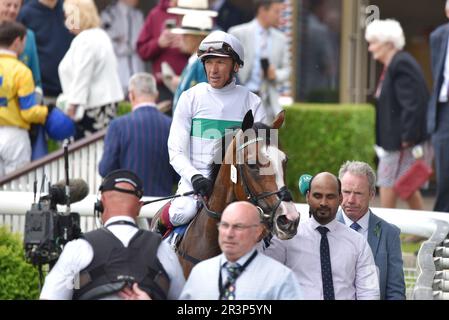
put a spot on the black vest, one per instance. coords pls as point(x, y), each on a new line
point(115, 266)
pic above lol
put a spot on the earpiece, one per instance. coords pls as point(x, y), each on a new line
point(98, 210)
point(98, 206)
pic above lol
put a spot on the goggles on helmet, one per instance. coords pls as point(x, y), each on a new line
point(217, 48)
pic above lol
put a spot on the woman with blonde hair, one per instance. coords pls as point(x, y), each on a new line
point(88, 72)
point(401, 107)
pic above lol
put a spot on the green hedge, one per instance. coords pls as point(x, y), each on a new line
point(321, 137)
point(18, 279)
point(123, 108)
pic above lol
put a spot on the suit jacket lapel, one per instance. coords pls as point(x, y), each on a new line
point(442, 58)
point(374, 232)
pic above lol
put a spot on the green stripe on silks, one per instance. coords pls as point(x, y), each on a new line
point(210, 128)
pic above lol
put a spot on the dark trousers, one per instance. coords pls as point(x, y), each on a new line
point(165, 95)
point(95, 119)
point(440, 140)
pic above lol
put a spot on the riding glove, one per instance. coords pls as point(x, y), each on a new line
point(202, 185)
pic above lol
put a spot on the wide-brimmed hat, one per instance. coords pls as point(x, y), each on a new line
point(195, 24)
point(189, 6)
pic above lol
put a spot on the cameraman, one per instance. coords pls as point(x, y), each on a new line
point(108, 260)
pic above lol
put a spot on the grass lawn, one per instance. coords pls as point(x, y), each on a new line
point(409, 247)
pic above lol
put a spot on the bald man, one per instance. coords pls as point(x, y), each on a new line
point(241, 272)
point(105, 261)
point(330, 260)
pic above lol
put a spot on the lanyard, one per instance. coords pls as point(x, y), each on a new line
point(242, 268)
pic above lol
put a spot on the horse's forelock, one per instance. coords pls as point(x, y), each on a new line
point(262, 130)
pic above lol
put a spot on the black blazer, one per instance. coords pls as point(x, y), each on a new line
point(438, 49)
point(402, 105)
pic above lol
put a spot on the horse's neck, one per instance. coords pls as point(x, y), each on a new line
point(222, 193)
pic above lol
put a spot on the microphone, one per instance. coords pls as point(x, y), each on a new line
point(304, 183)
point(78, 191)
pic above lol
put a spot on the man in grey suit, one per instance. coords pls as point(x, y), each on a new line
point(438, 112)
point(266, 51)
point(358, 184)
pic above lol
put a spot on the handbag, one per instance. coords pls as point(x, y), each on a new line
point(412, 179)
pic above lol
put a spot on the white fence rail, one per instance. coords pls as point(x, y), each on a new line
point(84, 157)
point(14, 205)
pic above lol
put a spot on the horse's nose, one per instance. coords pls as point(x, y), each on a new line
point(289, 209)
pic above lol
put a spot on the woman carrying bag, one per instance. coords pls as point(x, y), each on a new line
point(401, 107)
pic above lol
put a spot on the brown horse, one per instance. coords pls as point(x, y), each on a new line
point(251, 168)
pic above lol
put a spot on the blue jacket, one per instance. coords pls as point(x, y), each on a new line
point(438, 49)
point(52, 38)
point(383, 238)
point(138, 142)
point(30, 58)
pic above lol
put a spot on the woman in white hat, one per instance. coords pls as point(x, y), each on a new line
point(194, 28)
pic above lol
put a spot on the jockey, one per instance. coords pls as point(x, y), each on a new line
point(202, 114)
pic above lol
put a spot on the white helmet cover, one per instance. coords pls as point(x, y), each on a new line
point(221, 44)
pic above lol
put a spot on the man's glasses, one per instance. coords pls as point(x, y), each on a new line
point(236, 227)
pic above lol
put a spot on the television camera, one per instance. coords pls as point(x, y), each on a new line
point(46, 229)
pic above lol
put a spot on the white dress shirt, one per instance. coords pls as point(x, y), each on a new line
point(354, 273)
point(78, 254)
point(263, 279)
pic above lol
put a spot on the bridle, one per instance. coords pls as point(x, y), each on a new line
point(267, 215)
point(283, 194)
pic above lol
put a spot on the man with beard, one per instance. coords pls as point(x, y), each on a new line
point(330, 260)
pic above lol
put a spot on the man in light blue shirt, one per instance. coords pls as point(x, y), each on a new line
point(258, 276)
point(240, 272)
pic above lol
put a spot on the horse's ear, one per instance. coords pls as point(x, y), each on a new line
point(279, 120)
point(248, 121)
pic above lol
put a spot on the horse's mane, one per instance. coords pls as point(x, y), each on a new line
point(223, 144)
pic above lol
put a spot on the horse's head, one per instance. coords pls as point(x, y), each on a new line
point(257, 173)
